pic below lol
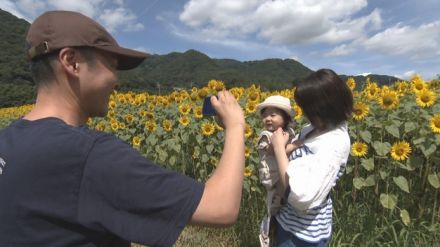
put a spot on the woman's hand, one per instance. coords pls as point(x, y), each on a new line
point(279, 139)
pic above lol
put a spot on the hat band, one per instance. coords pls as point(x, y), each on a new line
point(41, 49)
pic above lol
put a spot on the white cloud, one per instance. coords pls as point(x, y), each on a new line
point(11, 7)
point(340, 50)
point(365, 73)
point(415, 42)
point(281, 21)
point(120, 18)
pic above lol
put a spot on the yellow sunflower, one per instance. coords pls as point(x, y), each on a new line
point(100, 126)
point(298, 111)
point(254, 96)
point(247, 172)
point(388, 99)
point(208, 129)
point(214, 162)
point(203, 92)
point(371, 90)
point(198, 112)
point(136, 141)
point(194, 96)
point(400, 150)
point(150, 126)
point(167, 125)
point(142, 113)
point(425, 98)
point(435, 123)
point(402, 87)
point(129, 118)
point(247, 152)
point(115, 126)
point(111, 104)
point(248, 131)
point(351, 83)
point(418, 83)
point(111, 114)
point(359, 149)
point(184, 109)
point(122, 126)
point(251, 107)
point(184, 120)
point(360, 111)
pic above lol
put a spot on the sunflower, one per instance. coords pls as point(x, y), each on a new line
point(111, 104)
point(208, 129)
point(418, 83)
point(351, 83)
point(359, 149)
point(198, 112)
point(136, 141)
point(122, 126)
point(371, 91)
point(115, 126)
point(194, 96)
point(184, 120)
point(111, 114)
point(425, 98)
point(129, 118)
point(298, 111)
point(150, 126)
point(402, 87)
point(360, 111)
point(388, 99)
point(435, 123)
point(184, 109)
point(203, 92)
point(254, 96)
point(251, 107)
point(247, 152)
point(100, 126)
point(167, 125)
point(247, 172)
point(142, 113)
point(214, 162)
point(248, 131)
point(400, 150)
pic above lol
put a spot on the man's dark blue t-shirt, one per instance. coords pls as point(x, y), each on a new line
point(72, 186)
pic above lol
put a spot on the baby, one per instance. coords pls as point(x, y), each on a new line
point(275, 112)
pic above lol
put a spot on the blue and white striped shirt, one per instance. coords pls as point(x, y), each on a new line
point(313, 170)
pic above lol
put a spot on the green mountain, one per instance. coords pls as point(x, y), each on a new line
point(157, 73)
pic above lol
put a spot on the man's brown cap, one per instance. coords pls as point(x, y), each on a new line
point(54, 30)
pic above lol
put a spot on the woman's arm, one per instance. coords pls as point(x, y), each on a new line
point(279, 141)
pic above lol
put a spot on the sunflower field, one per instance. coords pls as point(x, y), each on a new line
point(389, 195)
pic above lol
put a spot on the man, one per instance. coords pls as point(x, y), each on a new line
point(63, 184)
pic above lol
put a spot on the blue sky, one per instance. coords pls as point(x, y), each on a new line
point(392, 37)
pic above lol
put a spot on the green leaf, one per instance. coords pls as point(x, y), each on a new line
point(382, 148)
point(393, 130)
point(366, 136)
point(388, 200)
point(358, 183)
point(383, 174)
point(349, 169)
point(415, 161)
point(434, 180)
point(410, 126)
point(370, 181)
point(402, 182)
point(428, 150)
point(419, 140)
point(172, 160)
point(209, 148)
point(205, 158)
point(368, 164)
point(404, 215)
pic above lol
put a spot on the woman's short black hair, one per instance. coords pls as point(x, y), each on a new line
point(325, 99)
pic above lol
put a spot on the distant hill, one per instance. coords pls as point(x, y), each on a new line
point(173, 70)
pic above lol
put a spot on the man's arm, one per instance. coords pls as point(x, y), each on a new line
point(220, 202)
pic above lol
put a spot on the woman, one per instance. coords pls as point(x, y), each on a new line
point(310, 171)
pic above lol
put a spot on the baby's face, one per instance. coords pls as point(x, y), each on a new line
point(272, 118)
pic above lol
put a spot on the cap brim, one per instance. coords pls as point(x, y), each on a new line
point(127, 58)
point(283, 107)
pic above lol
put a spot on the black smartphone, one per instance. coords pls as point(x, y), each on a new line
point(207, 109)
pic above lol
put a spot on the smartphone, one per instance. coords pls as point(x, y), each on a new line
point(207, 109)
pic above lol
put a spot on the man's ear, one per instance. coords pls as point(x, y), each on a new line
point(69, 58)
